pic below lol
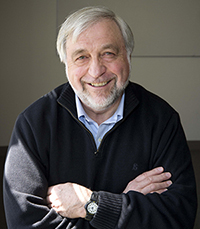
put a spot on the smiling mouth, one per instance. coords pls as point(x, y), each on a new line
point(100, 84)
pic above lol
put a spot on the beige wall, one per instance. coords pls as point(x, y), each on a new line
point(29, 63)
point(167, 36)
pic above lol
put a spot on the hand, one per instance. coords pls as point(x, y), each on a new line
point(68, 199)
point(155, 180)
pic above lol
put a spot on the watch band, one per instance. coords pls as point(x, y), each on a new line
point(95, 197)
point(92, 206)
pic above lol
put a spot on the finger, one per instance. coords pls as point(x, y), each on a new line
point(155, 180)
point(153, 183)
point(160, 191)
point(49, 191)
point(159, 178)
point(51, 196)
point(156, 187)
point(150, 173)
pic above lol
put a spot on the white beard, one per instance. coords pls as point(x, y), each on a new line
point(100, 102)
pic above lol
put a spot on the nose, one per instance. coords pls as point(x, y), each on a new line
point(96, 68)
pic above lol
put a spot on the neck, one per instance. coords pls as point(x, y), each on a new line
point(101, 116)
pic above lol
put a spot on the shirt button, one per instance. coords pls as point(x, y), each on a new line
point(99, 139)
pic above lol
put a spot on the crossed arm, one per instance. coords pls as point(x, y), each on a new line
point(69, 199)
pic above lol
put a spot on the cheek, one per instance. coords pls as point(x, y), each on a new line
point(75, 74)
point(121, 70)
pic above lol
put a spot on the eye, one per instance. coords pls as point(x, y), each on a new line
point(109, 54)
point(81, 58)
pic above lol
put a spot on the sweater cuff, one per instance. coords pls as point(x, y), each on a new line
point(109, 210)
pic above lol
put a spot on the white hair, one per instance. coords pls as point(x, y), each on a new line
point(82, 19)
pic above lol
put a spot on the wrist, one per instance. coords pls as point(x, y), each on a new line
point(84, 202)
point(91, 206)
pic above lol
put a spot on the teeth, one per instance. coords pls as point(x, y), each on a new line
point(99, 84)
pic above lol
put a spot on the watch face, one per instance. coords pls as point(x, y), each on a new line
point(92, 208)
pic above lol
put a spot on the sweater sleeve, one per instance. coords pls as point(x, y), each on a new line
point(175, 208)
point(25, 183)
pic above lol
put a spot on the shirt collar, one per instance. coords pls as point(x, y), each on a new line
point(118, 115)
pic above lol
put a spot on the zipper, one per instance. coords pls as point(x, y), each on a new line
point(111, 130)
point(77, 120)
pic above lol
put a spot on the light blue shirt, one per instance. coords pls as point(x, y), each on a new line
point(98, 131)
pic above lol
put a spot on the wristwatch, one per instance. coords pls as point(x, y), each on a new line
point(92, 206)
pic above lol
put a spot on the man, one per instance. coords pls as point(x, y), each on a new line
point(99, 151)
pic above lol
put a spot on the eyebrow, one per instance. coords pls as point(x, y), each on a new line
point(104, 47)
point(110, 46)
point(78, 52)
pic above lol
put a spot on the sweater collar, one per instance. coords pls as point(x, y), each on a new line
point(67, 99)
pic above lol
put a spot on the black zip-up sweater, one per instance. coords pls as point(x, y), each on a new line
point(49, 145)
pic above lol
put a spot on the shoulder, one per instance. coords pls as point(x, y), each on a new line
point(46, 101)
point(151, 108)
point(152, 112)
point(43, 108)
point(149, 100)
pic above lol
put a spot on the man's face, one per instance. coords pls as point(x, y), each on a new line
point(97, 65)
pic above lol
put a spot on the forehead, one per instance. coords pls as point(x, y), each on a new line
point(103, 32)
